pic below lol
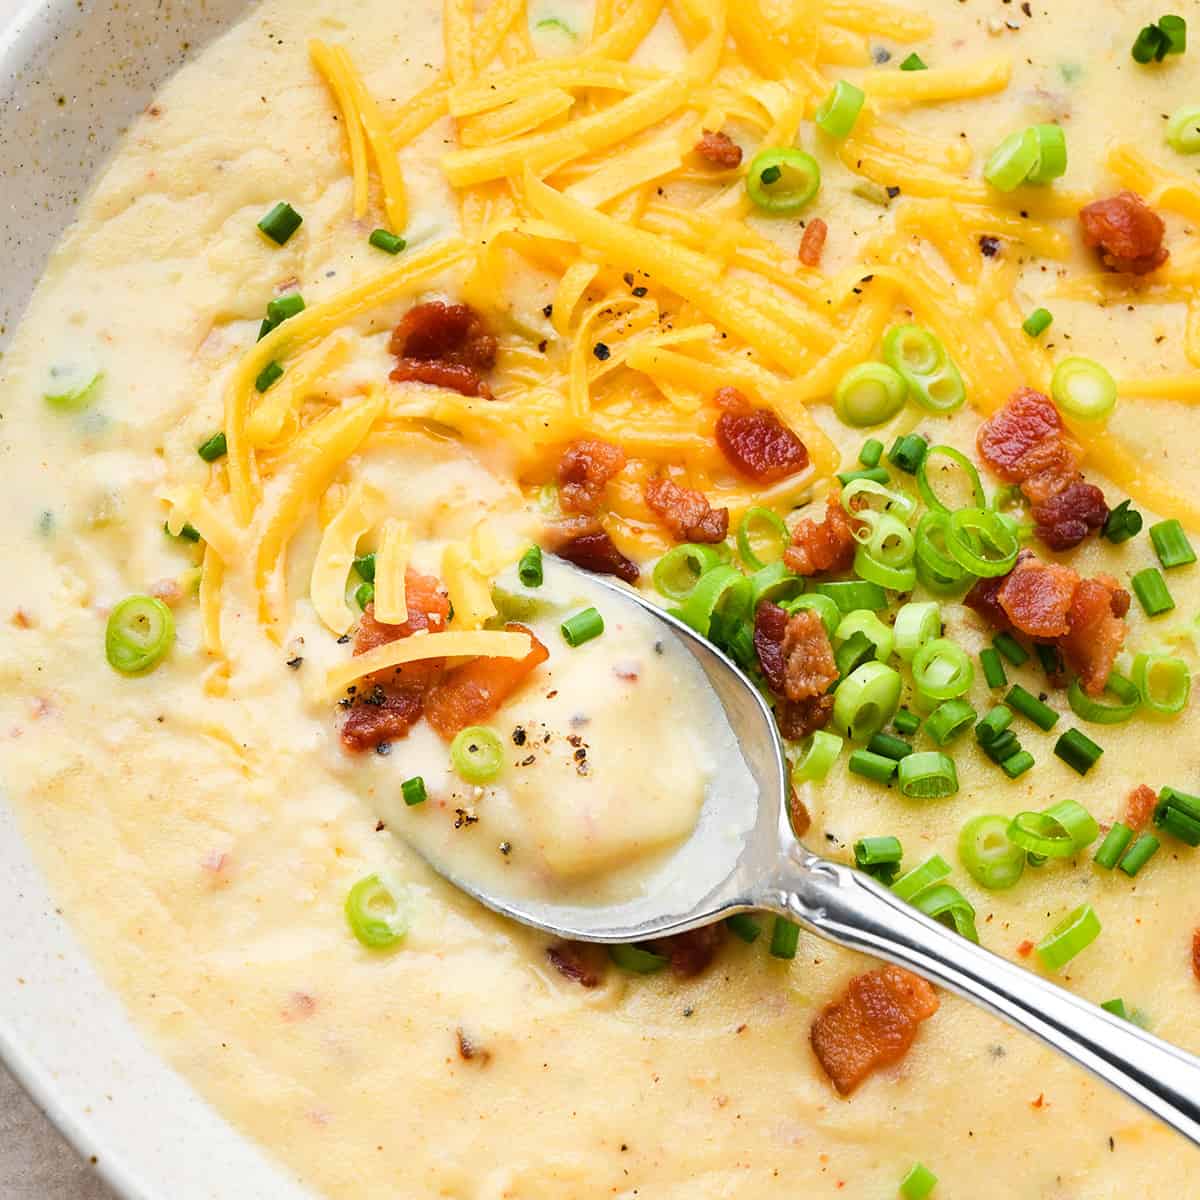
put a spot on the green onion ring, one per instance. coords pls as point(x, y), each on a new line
point(775, 583)
point(981, 527)
point(636, 959)
point(942, 670)
point(1062, 831)
point(816, 756)
point(890, 541)
point(896, 579)
point(927, 775)
point(916, 623)
point(959, 459)
point(1129, 700)
point(679, 570)
point(1083, 388)
point(992, 859)
point(375, 914)
point(919, 878)
point(869, 394)
point(773, 194)
point(1075, 932)
point(945, 903)
point(896, 503)
point(1163, 699)
point(477, 754)
point(721, 591)
point(865, 701)
point(867, 623)
point(774, 523)
point(139, 633)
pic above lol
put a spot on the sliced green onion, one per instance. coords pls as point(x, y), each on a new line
point(887, 539)
point(776, 530)
point(991, 859)
point(1037, 322)
point(1051, 659)
point(1174, 31)
point(1117, 1008)
point(213, 448)
point(1017, 764)
point(1083, 388)
point(744, 926)
point(818, 752)
point(1140, 853)
point(917, 623)
point(1011, 648)
point(964, 464)
point(934, 561)
point(876, 767)
point(947, 904)
point(73, 388)
point(1171, 544)
point(139, 632)
point(187, 532)
point(865, 499)
point(385, 240)
point(365, 566)
point(942, 670)
point(920, 1180)
point(879, 857)
point(783, 179)
point(890, 747)
point(364, 594)
point(908, 452)
point(529, 569)
point(949, 720)
point(413, 791)
point(922, 362)
point(270, 374)
point(1148, 44)
point(1179, 814)
point(873, 570)
point(1062, 831)
point(865, 701)
point(1129, 700)
point(1052, 154)
point(679, 570)
point(825, 607)
point(582, 627)
point(722, 595)
point(853, 652)
point(281, 222)
point(993, 725)
point(927, 775)
point(919, 878)
point(906, 722)
point(871, 453)
point(869, 394)
point(785, 937)
point(1164, 683)
point(1028, 705)
point(1151, 590)
point(1183, 130)
point(476, 754)
point(1078, 751)
point(993, 668)
point(976, 530)
point(1114, 845)
point(850, 595)
point(283, 308)
point(874, 475)
point(375, 913)
point(913, 62)
point(776, 583)
point(1075, 932)
point(1122, 523)
point(1012, 162)
point(636, 960)
point(840, 109)
point(1002, 746)
point(867, 623)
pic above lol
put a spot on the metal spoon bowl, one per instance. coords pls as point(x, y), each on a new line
point(751, 860)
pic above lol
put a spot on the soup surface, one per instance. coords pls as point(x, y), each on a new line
point(607, 224)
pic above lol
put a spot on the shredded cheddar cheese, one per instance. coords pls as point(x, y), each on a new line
point(391, 563)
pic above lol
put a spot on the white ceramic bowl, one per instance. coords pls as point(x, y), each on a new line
point(71, 76)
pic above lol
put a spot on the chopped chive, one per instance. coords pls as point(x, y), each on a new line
point(1115, 843)
point(950, 719)
point(1146, 46)
point(1122, 523)
point(877, 851)
point(1011, 648)
point(1077, 750)
point(770, 175)
point(1028, 705)
point(874, 474)
point(365, 566)
point(1117, 1008)
point(920, 1180)
point(1037, 322)
point(993, 725)
point(993, 668)
point(1051, 659)
point(364, 594)
point(413, 791)
point(187, 532)
point(1151, 590)
point(913, 63)
point(270, 374)
point(281, 222)
point(929, 775)
point(888, 746)
point(1171, 544)
point(283, 307)
point(1015, 765)
point(871, 453)
point(1140, 853)
point(908, 452)
point(383, 239)
point(876, 767)
point(785, 937)
point(1174, 30)
point(529, 569)
point(212, 449)
point(582, 627)
point(744, 926)
point(906, 722)
point(1179, 814)
point(1003, 746)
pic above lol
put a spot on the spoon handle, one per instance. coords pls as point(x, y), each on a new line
point(853, 910)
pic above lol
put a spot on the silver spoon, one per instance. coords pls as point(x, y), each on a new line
point(763, 866)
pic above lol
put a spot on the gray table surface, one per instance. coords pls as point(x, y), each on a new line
point(35, 1162)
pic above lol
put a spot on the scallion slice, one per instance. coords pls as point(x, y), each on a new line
point(388, 242)
point(1075, 932)
point(993, 668)
point(1083, 388)
point(772, 524)
point(824, 606)
point(1017, 763)
point(1139, 854)
point(1078, 751)
point(908, 452)
point(919, 878)
point(744, 927)
point(722, 594)
point(1179, 814)
point(839, 110)
point(921, 360)
point(917, 623)
point(213, 448)
point(865, 701)
point(876, 767)
point(270, 374)
point(927, 775)
point(920, 1180)
point(945, 903)
point(1128, 698)
point(950, 720)
point(871, 453)
point(1028, 705)
point(879, 857)
point(783, 179)
point(982, 542)
point(413, 791)
point(636, 959)
point(1052, 154)
point(991, 858)
point(873, 474)
point(477, 754)
point(376, 913)
point(869, 394)
point(139, 632)
point(913, 62)
point(817, 754)
point(1062, 831)
point(880, 636)
point(529, 569)
point(776, 583)
point(1011, 163)
point(1171, 544)
point(993, 725)
point(1114, 845)
point(1122, 523)
point(1183, 130)
point(967, 467)
point(1011, 648)
point(364, 594)
point(906, 722)
point(1037, 322)
point(281, 222)
point(1163, 682)
point(850, 595)
point(785, 937)
point(1151, 590)
point(941, 670)
point(681, 568)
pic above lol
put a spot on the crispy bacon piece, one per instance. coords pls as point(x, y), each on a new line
point(575, 961)
point(813, 242)
point(983, 598)
point(795, 653)
point(583, 472)
point(872, 1025)
point(1139, 806)
point(692, 951)
point(446, 345)
point(470, 694)
point(770, 628)
point(686, 512)
point(1028, 420)
point(755, 442)
point(798, 814)
point(588, 546)
point(825, 545)
point(719, 148)
point(798, 718)
point(1127, 232)
point(1036, 597)
point(1097, 631)
point(386, 705)
point(1065, 519)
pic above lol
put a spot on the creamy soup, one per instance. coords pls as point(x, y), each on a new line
point(624, 200)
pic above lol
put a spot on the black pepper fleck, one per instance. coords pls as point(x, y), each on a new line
point(601, 351)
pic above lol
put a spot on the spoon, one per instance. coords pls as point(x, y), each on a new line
point(752, 860)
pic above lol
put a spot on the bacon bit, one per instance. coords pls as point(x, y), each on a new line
point(755, 442)
point(593, 550)
point(583, 472)
point(1040, 1102)
point(1036, 597)
point(428, 609)
point(872, 1025)
point(1064, 520)
point(794, 652)
point(983, 598)
point(445, 345)
point(826, 545)
point(469, 694)
point(22, 620)
point(1028, 420)
point(1139, 806)
point(1196, 954)
point(813, 242)
point(686, 512)
point(719, 148)
point(798, 814)
point(1097, 633)
point(1025, 949)
point(798, 718)
point(1127, 232)
point(692, 951)
point(469, 1049)
point(574, 961)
